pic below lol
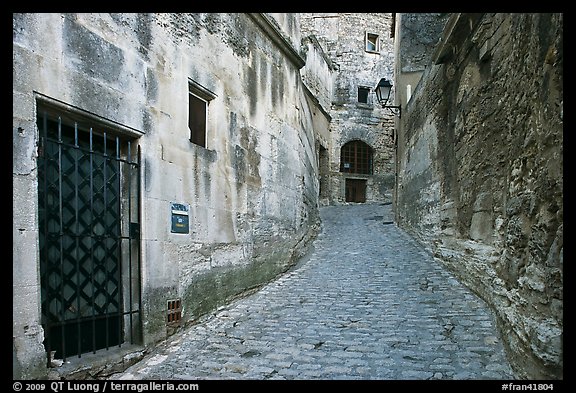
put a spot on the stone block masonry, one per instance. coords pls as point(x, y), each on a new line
point(343, 37)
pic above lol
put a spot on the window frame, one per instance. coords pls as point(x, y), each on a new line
point(376, 42)
point(367, 90)
point(200, 94)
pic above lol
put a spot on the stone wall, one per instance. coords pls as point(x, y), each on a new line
point(342, 36)
point(422, 31)
point(318, 79)
point(318, 73)
point(252, 191)
point(481, 173)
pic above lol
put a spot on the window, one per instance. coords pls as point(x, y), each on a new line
point(197, 113)
point(356, 157)
point(363, 93)
point(372, 42)
point(198, 100)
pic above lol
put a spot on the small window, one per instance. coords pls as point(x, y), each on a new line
point(372, 42)
point(198, 100)
point(197, 113)
point(363, 93)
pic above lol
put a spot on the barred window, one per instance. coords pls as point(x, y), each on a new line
point(356, 157)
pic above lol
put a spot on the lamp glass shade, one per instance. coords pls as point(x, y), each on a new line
point(383, 91)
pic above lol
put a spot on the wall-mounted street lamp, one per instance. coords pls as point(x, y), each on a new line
point(383, 90)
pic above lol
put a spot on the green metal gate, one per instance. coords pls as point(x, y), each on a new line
point(89, 220)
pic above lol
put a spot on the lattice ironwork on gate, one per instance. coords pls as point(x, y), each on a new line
point(89, 220)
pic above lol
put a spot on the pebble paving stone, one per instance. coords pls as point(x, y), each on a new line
point(367, 303)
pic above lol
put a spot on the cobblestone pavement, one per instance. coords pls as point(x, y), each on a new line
point(367, 303)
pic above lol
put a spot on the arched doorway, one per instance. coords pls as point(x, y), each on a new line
point(356, 158)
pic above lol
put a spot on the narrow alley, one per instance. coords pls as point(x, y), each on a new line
point(366, 303)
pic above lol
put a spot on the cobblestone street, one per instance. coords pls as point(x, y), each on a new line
point(366, 303)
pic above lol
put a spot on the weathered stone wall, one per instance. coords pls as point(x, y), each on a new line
point(252, 192)
point(342, 36)
point(318, 79)
point(481, 173)
point(422, 31)
point(318, 73)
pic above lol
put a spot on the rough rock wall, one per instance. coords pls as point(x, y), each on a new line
point(481, 174)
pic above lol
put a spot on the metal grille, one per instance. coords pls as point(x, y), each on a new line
point(88, 192)
point(174, 315)
point(356, 157)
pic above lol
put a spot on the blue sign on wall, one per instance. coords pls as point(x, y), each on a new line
point(180, 218)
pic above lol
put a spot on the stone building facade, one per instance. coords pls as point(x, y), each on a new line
point(480, 168)
point(163, 164)
point(359, 165)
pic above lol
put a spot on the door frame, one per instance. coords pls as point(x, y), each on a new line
point(125, 153)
